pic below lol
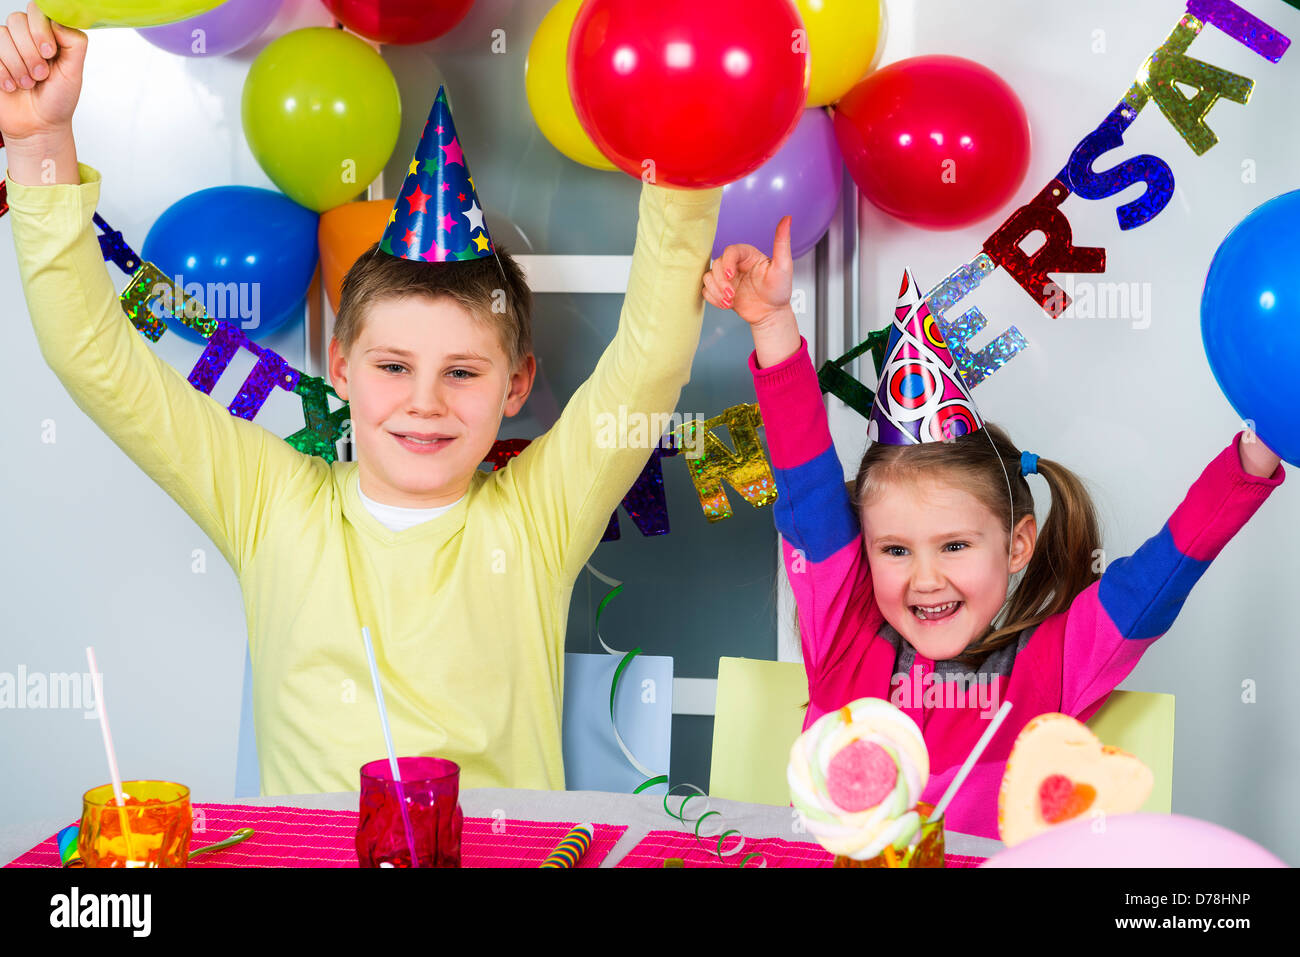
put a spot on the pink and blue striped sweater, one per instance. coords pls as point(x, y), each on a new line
point(1070, 663)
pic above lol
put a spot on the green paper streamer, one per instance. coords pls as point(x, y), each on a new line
point(616, 587)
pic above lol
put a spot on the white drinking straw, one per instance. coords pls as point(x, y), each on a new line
point(98, 680)
point(388, 741)
point(971, 758)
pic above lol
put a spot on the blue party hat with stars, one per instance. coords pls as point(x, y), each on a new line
point(437, 216)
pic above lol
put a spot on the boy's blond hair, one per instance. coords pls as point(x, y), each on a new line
point(504, 302)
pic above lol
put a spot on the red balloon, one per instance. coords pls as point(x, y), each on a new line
point(706, 91)
point(399, 21)
point(937, 141)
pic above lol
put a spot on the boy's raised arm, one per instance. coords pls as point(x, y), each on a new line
point(222, 470)
point(572, 478)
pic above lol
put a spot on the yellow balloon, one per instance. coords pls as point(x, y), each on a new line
point(843, 36)
point(546, 82)
point(85, 14)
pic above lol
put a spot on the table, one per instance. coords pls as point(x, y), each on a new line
point(642, 813)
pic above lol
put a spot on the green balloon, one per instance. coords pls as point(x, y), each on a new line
point(85, 14)
point(321, 112)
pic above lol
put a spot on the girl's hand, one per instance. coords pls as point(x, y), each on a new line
point(40, 76)
point(1256, 457)
point(745, 280)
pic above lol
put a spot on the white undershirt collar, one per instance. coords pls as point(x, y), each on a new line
point(398, 519)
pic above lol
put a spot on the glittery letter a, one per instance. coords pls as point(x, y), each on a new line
point(1169, 66)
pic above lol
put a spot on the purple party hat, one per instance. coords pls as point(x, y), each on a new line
point(437, 216)
point(920, 396)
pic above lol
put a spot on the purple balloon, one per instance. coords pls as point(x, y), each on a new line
point(230, 26)
point(802, 181)
point(1136, 840)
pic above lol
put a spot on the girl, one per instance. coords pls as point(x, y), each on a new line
point(902, 586)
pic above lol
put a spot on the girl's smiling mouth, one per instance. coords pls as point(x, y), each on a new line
point(935, 613)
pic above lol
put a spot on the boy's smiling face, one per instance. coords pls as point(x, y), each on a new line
point(425, 369)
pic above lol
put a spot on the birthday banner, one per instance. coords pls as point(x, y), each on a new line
point(747, 469)
point(1157, 80)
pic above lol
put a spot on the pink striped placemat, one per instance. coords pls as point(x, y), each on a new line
point(306, 837)
point(656, 846)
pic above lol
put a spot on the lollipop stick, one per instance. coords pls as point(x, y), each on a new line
point(388, 741)
point(98, 680)
point(969, 763)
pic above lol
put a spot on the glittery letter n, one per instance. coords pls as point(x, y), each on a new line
point(1057, 254)
point(746, 470)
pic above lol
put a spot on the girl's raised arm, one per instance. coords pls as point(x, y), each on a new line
point(821, 536)
point(1111, 623)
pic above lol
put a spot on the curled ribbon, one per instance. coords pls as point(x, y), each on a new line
point(651, 778)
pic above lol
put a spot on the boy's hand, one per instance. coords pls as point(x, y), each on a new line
point(40, 76)
point(745, 280)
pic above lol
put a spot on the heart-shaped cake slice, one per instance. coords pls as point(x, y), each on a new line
point(1059, 771)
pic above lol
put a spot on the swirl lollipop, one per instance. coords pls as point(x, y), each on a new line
point(856, 777)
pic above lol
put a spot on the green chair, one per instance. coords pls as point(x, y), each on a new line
point(759, 715)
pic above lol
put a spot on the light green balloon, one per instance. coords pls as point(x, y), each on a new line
point(87, 14)
point(321, 113)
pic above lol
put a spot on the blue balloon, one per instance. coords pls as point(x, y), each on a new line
point(246, 254)
point(1250, 321)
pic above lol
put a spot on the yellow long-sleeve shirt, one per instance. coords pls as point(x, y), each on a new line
point(467, 611)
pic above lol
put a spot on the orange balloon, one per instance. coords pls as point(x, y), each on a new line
point(345, 233)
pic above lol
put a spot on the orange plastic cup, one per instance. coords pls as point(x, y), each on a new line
point(925, 851)
point(157, 817)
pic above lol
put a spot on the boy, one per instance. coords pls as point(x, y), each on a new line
point(463, 577)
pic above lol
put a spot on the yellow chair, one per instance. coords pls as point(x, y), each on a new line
point(756, 720)
point(758, 716)
point(1142, 723)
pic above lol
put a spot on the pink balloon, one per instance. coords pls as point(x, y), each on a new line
point(1137, 840)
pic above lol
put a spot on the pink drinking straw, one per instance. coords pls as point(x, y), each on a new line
point(98, 681)
point(388, 740)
